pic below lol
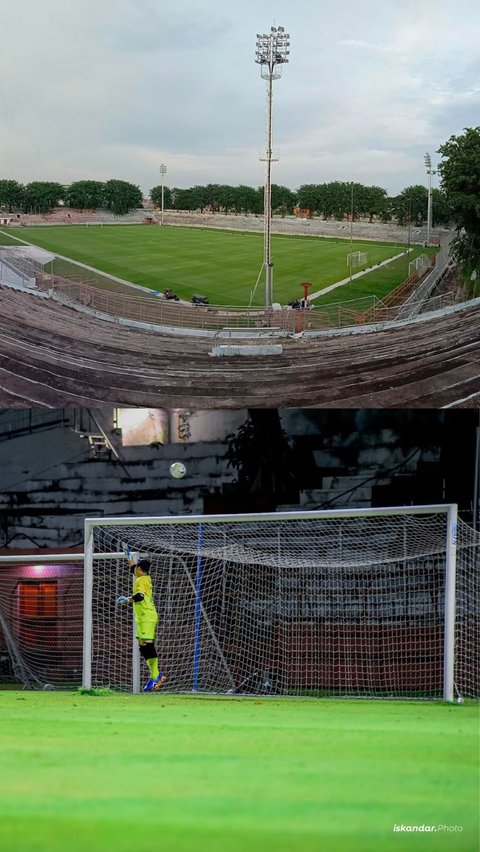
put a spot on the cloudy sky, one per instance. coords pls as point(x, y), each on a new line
point(101, 89)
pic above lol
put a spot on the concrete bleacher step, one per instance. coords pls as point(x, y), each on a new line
point(338, 491)
point(343, 482)
point(236, 333)
point(228, 349)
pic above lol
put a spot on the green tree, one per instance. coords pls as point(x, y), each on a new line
point(183, 199)
point(42, 196)
point(226, 198)
point(121, 196)
point(85, 194)
point(333, 200)
point(460, 175)
point(246, 200)
point(264, 460)
point(11, 194)
point(283, 199)
point(374, 201)
point(441, 210)
point(400, 208)
point(307, 197)
point(200, 197)
point(212, 196)
point(156, 196)
point(411, 205)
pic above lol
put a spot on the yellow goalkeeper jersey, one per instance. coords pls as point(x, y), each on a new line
point(144, 610)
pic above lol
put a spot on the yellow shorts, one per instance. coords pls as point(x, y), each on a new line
point(146, 630)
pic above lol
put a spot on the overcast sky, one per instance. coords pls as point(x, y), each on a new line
point(101, 89)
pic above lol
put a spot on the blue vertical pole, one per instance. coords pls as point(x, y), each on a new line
point(198, 610)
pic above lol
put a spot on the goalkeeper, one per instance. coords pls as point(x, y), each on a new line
point(145, 616)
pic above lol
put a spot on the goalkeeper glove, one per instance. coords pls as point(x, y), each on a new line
point(126, 550)
point(122, 600)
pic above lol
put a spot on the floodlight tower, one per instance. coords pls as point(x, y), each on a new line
point(428, 165)
point(351, 229)
point(163, 172)
point(271, 53)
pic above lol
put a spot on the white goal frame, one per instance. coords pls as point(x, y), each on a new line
point(449, 510)
point(357, 258)
point(419, 266)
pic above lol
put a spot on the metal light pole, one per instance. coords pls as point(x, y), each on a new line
point(163, 172)
point(271, 53)
point(428, 164)
point(351, 230)
point(409, 221)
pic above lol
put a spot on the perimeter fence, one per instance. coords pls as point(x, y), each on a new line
point(155, 310)
point(112, 299)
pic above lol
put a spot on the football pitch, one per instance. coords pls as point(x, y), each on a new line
point(124, 772)
point(222, 265)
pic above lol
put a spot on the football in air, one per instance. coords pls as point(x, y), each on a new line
point(177, 470)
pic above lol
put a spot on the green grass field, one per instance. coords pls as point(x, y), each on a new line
point(124, 772)
point(223, 265)
point(6, 240)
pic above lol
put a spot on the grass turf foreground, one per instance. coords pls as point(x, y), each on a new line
point(115, 772)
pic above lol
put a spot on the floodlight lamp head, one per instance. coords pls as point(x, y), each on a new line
point(428, 161)
point(272, 51)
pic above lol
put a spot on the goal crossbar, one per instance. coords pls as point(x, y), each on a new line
point(308, 514)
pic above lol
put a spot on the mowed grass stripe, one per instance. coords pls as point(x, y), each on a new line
point(113, 772)
point(223, 265)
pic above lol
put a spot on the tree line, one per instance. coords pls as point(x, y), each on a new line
point(118, 196)
point(334, 200)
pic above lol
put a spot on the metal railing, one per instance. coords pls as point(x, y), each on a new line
point(150, 310)
point(26, 267)
point(14, 423)
point(415, 304)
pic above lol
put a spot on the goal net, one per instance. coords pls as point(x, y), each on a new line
point(316, 604)
point(337, 603)
point(356, 259)
point(41, 621)
point(467, 614)
point(419, 266)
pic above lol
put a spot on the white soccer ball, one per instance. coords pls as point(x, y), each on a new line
point(459, 700)
point(177, 470)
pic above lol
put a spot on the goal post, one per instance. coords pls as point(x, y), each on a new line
point(351, 602)
point(450, 575)
point(356, 259)
point(198, 609)
point(419, 266)
point(87, 609)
